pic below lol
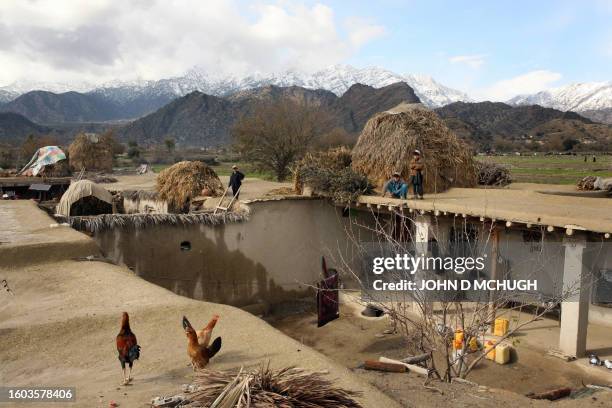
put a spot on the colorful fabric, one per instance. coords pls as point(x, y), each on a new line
point(43, 157)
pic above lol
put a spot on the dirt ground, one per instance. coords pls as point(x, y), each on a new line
point(59, 328)
point(353, 339)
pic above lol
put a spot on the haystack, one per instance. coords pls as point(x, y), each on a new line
point(389, 138)
point(187, 179)
point(91, 152)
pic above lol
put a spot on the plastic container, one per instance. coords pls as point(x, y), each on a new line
point(501, 326)
point(490, 350)
point(473, 344)
point(459, 335)
point(502, 353)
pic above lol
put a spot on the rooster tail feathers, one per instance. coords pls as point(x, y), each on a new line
point(134, 353)
point(186, 323)
point(214, 347)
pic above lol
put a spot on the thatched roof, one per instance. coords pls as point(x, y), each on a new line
point(184, 180)
point(389, 138)
point(142, 221)
point(91, 153)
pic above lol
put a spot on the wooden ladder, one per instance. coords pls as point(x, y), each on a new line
point(224, 209)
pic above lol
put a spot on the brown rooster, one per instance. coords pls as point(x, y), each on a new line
point(197, 343)
point(127, 346)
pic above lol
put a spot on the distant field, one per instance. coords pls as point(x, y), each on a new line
point(553, 169)
point(225, 169)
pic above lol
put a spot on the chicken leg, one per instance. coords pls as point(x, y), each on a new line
point(130, 378)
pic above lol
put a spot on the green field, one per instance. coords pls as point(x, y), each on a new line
point(553, 169)
point(225, 169)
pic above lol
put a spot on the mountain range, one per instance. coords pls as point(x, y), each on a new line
point(591, 99)
point(199, 119)
point(206, 120)
point(120, 100)
point(128, 100)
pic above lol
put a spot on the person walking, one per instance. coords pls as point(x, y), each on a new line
point(416, 174)
point(235, 180)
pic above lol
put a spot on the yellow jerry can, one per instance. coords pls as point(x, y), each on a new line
point(502, 353)
point(501, 326)
point(490, 350)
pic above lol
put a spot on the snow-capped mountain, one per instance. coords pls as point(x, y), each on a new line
point(337, 79)
point(6, 96)
point(579, 97)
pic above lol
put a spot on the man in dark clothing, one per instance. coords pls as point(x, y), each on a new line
point(235, 180)
point(416, 174)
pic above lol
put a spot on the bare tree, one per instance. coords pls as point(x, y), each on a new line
point(429, 321)
point(277, 134)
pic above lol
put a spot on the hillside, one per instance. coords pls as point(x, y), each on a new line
point(599, 115)
point(203, 120)
point(196, 119)
point(14, 126)
point(49, 107)
point(484, 122)
point(361, 102)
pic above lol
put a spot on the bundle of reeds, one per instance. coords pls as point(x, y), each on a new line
point(91, 153)
point(330, 173)
point(58, 169)
point(141, 221)
point(184, 180)
point(493, 174)
point(136, 195)
point(389, 139)
point(587, 183)
point(264, 387)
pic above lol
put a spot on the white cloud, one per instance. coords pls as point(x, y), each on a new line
point(472, 61)
point(362, 31)
point(69, 40)
point(531, 82)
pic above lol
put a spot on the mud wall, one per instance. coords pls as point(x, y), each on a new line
point(273, 257)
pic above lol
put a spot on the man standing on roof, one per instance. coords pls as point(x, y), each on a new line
point(235, 180)
point(396, 187)
point(416, 174)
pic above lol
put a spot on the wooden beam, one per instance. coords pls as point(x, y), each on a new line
point(494, 255)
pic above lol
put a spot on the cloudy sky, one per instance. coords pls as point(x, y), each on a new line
point(490, 49)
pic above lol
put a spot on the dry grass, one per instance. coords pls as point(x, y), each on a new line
point(86, 153)
point(264, 387)
point(330, 173)
point(141, 221)
point(493, 174)
point(179, 183)
point(389, 138)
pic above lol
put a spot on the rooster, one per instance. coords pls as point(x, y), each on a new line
point(127, 346)
point(197, 343)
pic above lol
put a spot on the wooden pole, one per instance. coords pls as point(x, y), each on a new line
point(494, 255)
